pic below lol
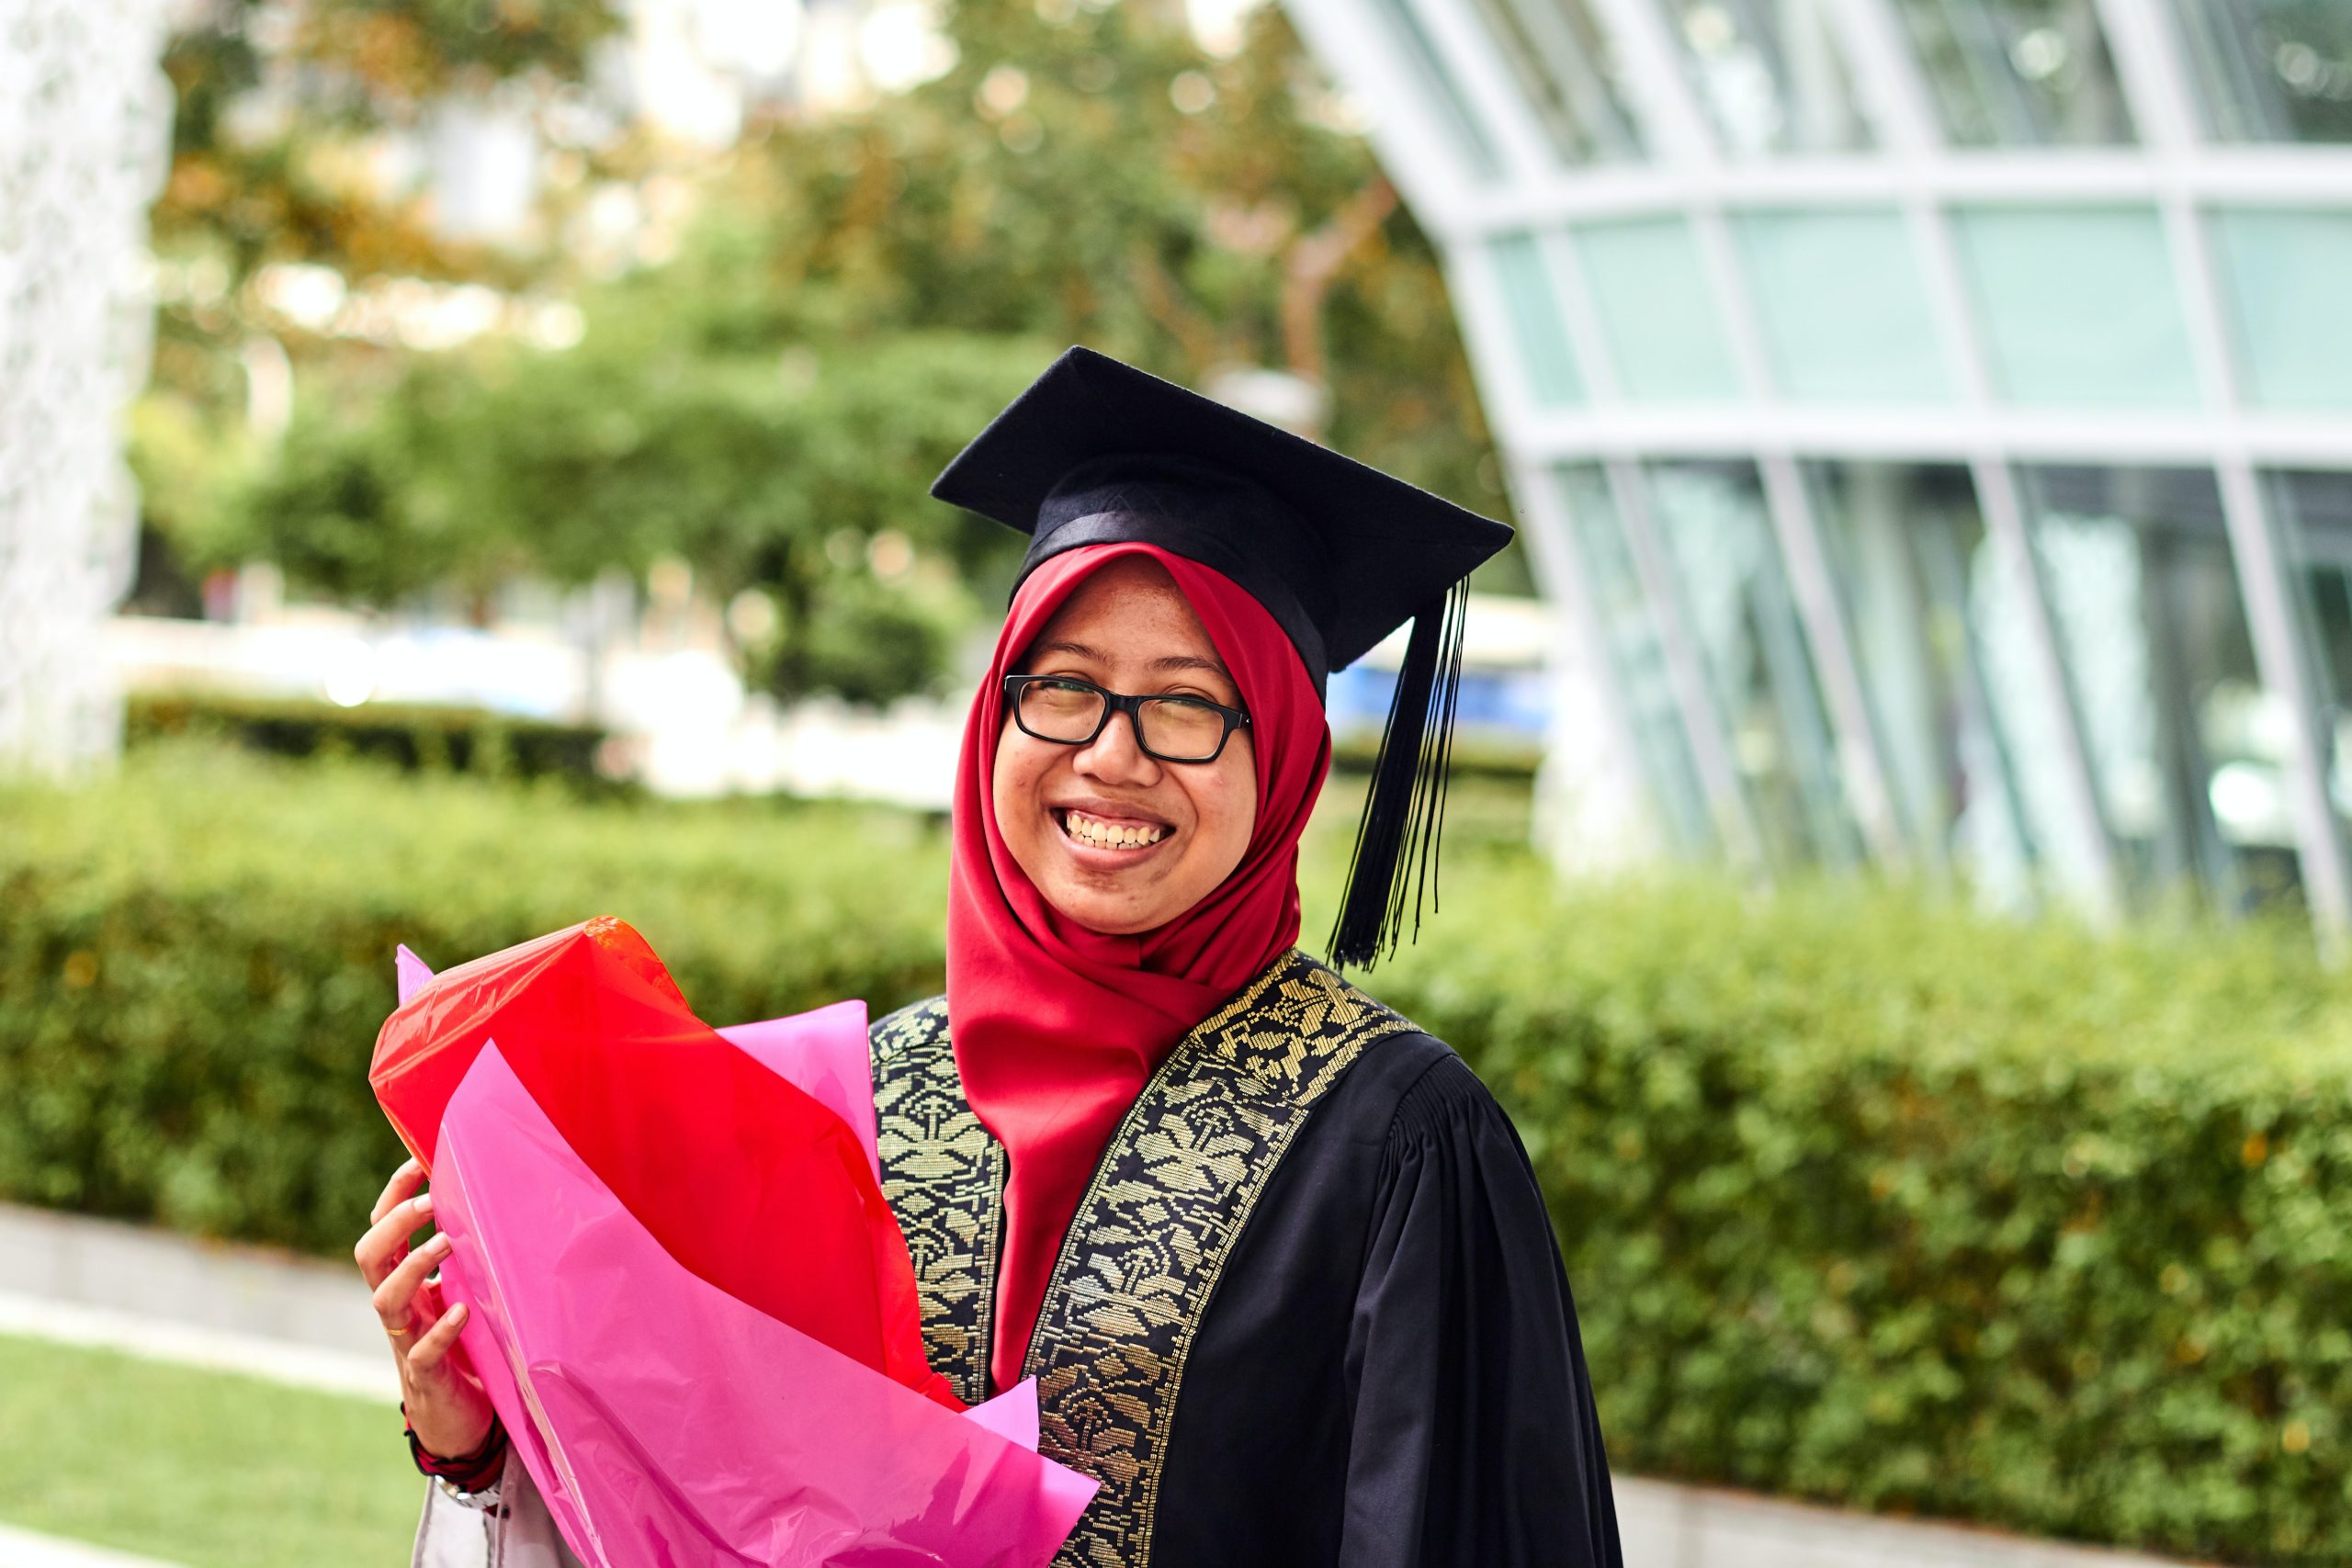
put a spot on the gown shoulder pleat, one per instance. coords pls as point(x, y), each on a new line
point(1389, 1373)
point(1475, 1439)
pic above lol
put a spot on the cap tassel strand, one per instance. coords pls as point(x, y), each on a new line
point(1440, 762)
point(1399, 836)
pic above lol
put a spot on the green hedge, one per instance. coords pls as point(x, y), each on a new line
point(407, 735)
point(1865, 1199)
point(195, 957)
point(1883, 1204)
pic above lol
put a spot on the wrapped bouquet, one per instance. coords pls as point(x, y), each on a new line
point(690, 1303)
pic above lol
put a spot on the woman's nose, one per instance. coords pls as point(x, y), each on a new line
point(1113, 755)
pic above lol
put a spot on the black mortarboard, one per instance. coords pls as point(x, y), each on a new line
point(1339, 554)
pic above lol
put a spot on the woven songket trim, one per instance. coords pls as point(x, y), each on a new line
point(1152, 1235)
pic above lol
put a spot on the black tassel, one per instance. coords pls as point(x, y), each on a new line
point(1402, 832)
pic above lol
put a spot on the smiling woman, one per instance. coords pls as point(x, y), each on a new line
point(1139, 940)
point(1273, 1256)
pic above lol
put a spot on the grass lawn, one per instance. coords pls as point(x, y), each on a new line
point(205, 1469)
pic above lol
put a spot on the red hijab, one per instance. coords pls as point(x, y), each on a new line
point(1057, 1027)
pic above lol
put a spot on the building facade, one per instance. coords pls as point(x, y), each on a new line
point(1931, 418)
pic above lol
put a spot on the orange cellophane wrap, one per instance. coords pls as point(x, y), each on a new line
point(745, 1180)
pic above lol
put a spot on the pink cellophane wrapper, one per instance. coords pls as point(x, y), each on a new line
point(825, 1054)
point(668, 1423)
point(746, 1178)
point(820, 1052)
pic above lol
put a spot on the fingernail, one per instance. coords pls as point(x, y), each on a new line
point(425, 1204)
point(439, 1244)
point(461, 1311)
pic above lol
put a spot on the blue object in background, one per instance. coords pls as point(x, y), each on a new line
point(1495, 703)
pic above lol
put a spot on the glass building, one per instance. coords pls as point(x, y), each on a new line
point(1931, 418)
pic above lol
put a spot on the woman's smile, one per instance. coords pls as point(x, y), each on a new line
point(1123, 836)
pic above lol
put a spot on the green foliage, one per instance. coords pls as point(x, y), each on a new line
point(256, 180)
point(1865, 1198)
point(1050, 187)
point(208, 1470)
point(273, 108)
point(1878, 1203)
point(195, 958)
point(279, 111)
point(369, 507)
point(859, 292)
point(464, 739)
point(777, 473)
point(192, 466)
point(869, 642)
point(410, 52)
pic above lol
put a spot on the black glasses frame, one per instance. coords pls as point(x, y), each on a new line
point(1114, 701)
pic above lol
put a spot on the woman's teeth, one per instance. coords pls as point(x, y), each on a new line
point(1109, 835)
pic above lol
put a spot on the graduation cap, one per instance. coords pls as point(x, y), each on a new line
point(1097, 452)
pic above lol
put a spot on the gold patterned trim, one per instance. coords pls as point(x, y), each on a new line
point(943, 1174)
point(1150, 1243)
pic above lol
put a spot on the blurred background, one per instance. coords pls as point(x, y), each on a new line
point(462, 470)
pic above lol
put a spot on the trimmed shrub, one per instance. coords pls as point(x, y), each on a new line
point(1865, 1199)
point(406, 735)
point(1875, 1202)
point(196, 956)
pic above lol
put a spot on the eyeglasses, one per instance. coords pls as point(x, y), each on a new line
point(1070, 712)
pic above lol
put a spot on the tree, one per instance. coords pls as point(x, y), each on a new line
point(1086, 173)
point(270, 100)
point(279, 107)
point(860, 294)
point(797, 476)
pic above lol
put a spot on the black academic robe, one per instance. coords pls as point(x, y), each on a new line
point(1330, 1327)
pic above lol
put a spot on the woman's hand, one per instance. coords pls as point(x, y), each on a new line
point(448, 1407)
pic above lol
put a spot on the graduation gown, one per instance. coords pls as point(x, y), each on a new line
point(1310, 1311)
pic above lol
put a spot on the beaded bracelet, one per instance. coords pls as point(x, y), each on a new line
point(468, 1473)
